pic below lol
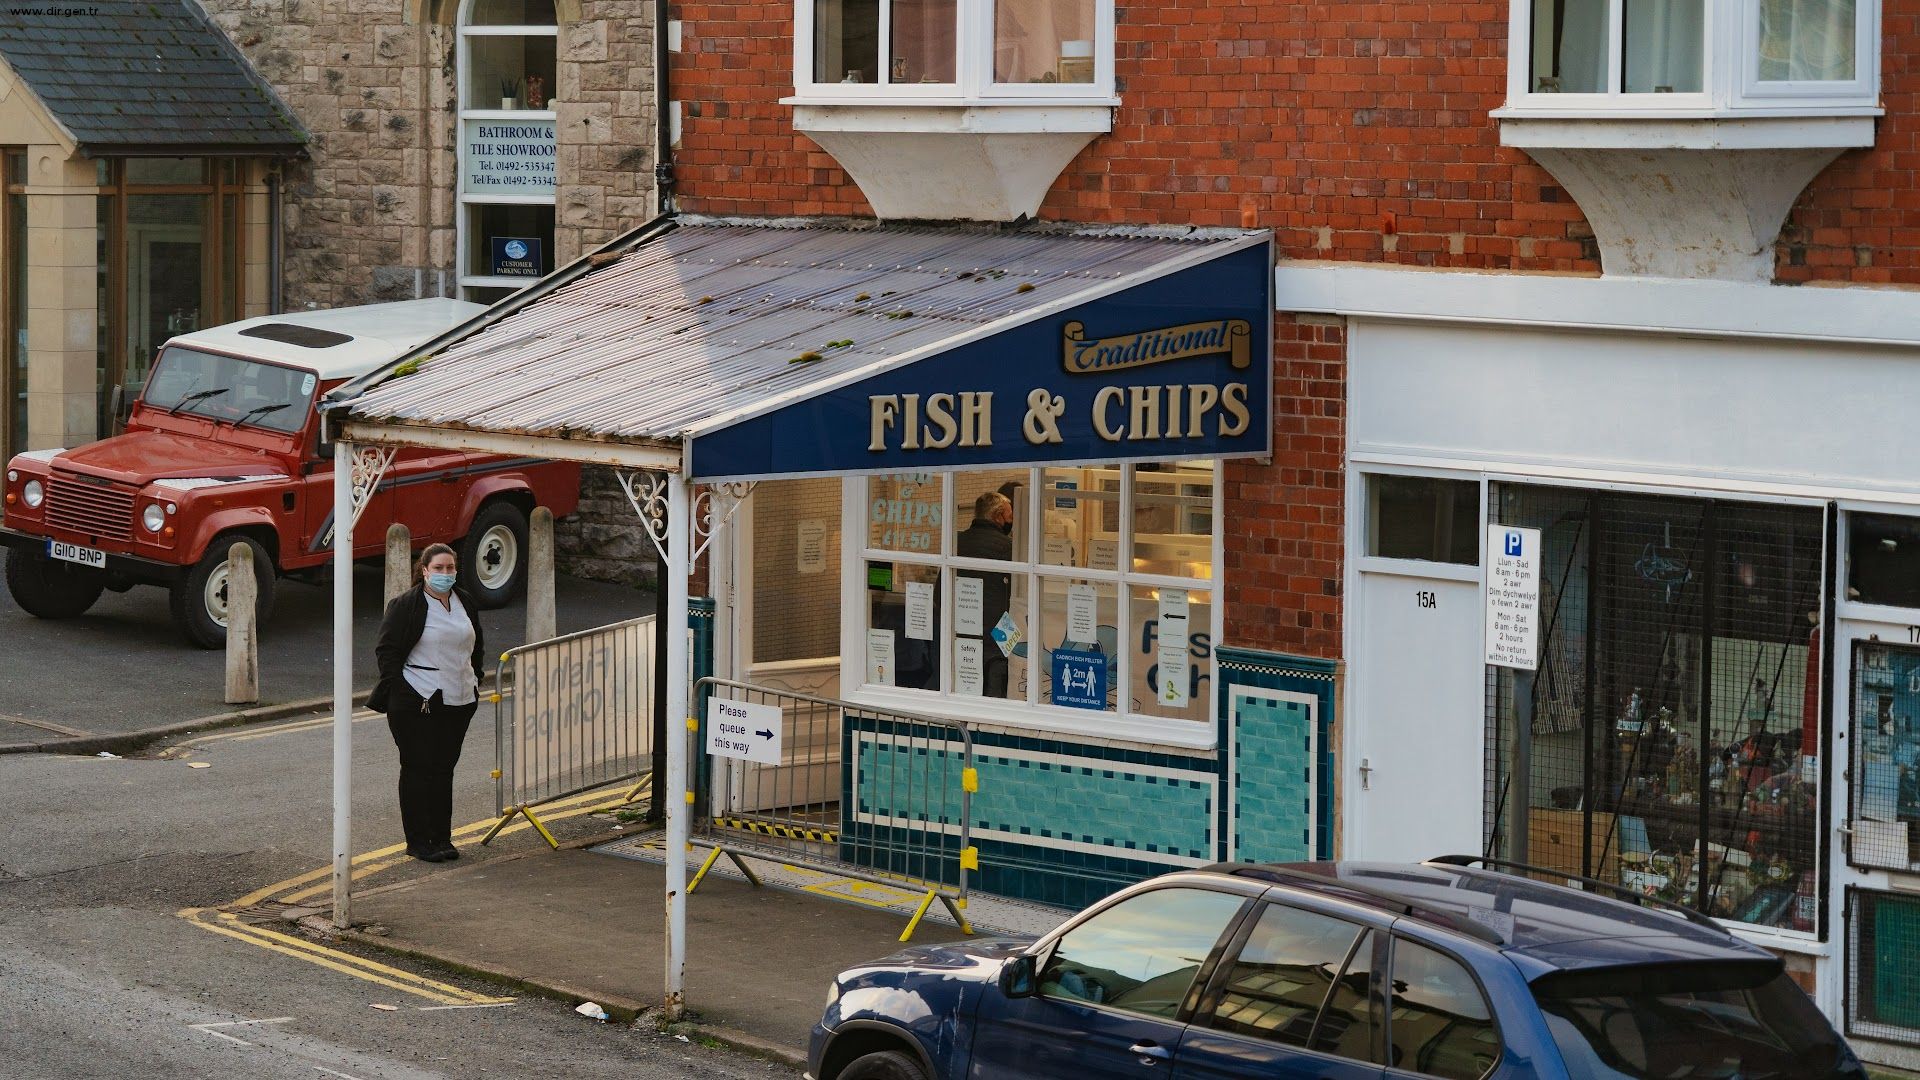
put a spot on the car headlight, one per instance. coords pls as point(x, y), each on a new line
point(33, 493)
point(153, 517)
point(833, 993)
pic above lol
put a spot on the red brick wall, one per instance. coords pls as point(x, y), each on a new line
point(1355, 131)
point(1284, 546)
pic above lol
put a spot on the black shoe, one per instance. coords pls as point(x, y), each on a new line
point(426, 854)
point(447, 852)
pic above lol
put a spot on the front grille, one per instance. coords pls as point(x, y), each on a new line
point(105, 512)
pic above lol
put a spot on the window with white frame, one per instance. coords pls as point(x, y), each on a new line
point(902, 50)
point(1087, 591)
point(507, 74)
point(1715, 55)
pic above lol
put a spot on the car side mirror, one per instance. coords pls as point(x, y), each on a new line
point(1017, 978)
point(322, 446)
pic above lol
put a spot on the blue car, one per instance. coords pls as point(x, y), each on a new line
point(1460, 968)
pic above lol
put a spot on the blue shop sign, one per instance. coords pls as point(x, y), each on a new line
point(516, 256)
point(1179, 366)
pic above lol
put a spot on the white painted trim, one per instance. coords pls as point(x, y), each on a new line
point(953, 115)
point(1853, 314)
point(1415, 568)
point(1785, 128)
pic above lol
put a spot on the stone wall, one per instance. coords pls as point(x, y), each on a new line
point(369, 216)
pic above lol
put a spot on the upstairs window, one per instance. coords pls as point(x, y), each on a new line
point(954, 50)
point(1716, 56)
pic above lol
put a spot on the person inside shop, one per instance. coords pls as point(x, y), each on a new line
point(990, 536)
point(429, 657)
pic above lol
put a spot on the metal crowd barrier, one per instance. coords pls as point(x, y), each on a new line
point(910, 777)
point(571, 714)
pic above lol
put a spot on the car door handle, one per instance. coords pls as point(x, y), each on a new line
point(1150, 1053)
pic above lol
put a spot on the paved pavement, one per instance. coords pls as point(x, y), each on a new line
point(101, 976)
point(121, 667)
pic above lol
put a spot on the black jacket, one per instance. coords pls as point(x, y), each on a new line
point(984, 540)
point(400, 630)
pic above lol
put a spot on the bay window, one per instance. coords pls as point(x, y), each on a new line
point(1077, 598)
point(948, 50)
point(1694, 56)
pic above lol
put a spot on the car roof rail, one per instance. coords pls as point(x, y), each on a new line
point(1286, 875)
point(1619, 891)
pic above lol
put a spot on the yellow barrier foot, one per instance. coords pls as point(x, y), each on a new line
point(498, 825)
point(918, 914)
point(712, 857)
point(953, 909)
point(541, 829)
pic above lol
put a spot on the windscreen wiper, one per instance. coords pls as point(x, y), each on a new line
point(260, 411)
point(201, 396)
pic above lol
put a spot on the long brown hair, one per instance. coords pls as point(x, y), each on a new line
point(427, 556)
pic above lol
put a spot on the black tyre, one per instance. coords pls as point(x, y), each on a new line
point(50, 588)
point(885, 1065)
point(493, 555)
point(199, 597)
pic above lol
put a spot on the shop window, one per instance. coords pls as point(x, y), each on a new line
point(1883, 560)
point(939, 48)
point(171, 251)
point(1670, 736)
point(1084, 589)
point(796, 571)
point(508, 73)
point(1885, 714)
point(1717, 55)
point(1424, 518)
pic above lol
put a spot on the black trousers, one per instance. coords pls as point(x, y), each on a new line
point(429, 743)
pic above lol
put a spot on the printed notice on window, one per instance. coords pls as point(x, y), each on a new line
point(969, 666)
point(1103, 554)
point(1173, 619)
point(811, 547)
point(1082, 618)
point(880, 657)
point(1171, 674)
point(968, 600)
point(920, 610)
point(1513, 597)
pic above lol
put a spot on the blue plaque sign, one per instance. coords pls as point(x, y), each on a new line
point(1079, 679)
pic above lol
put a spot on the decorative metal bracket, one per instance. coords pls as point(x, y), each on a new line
point(715, 506)
point(370, 465)
point(646, 492)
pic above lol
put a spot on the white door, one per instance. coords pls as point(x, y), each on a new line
point(1415, 763)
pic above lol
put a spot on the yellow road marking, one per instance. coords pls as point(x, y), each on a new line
point(570, 807)
point(342, 962)
point(249, 734)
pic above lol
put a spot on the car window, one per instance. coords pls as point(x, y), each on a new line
point(1350, 1024)
point(1440, 1024)
point(1141, 954)
point(1275, 986)
point(1746, 1020)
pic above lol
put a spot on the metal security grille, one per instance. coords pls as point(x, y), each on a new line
point(1660, 743)
point(1883, 985)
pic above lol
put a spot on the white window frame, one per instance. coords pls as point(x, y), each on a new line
point(973, 67)
point(1121, 724)
point(1730, 63)
point(465, 32)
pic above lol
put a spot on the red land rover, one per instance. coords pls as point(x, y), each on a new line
point(223, 445)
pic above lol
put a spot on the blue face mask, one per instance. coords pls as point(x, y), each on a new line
point(440, 583)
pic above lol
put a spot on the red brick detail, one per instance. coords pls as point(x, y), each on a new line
point(1284, 551)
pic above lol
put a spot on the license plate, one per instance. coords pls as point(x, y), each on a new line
point(74, 553)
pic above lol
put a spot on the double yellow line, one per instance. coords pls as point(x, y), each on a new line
point(316, 883)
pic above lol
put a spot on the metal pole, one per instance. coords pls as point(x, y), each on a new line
point(673, 626)
point(342, 684)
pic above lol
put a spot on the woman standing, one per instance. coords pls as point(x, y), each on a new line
point(429, 654)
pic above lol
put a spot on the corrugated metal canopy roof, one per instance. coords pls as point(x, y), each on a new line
point(714, 321)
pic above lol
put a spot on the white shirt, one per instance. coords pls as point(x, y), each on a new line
point(443, 660)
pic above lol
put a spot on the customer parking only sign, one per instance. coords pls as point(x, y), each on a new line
point(1513, 597)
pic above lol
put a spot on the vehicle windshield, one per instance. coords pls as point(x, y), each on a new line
point(230, 390)
point(1741, 1021)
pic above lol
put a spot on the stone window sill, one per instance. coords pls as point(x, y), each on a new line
point(1784, 129)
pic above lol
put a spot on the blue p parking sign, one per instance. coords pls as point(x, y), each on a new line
point(1513, 543)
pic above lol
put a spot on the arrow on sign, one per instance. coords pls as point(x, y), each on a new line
point(764, 734)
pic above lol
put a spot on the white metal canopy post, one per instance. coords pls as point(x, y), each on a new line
point(356, 474)
point(342, 684)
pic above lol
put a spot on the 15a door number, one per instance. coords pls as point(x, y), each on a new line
point(1425, 599)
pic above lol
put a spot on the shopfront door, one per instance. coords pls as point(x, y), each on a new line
point(1415, 765)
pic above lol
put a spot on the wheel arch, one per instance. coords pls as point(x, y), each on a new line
point(857, 1038)
point(243, 521)
point(513, 490)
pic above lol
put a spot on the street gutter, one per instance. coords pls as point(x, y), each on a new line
point(131, 742)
